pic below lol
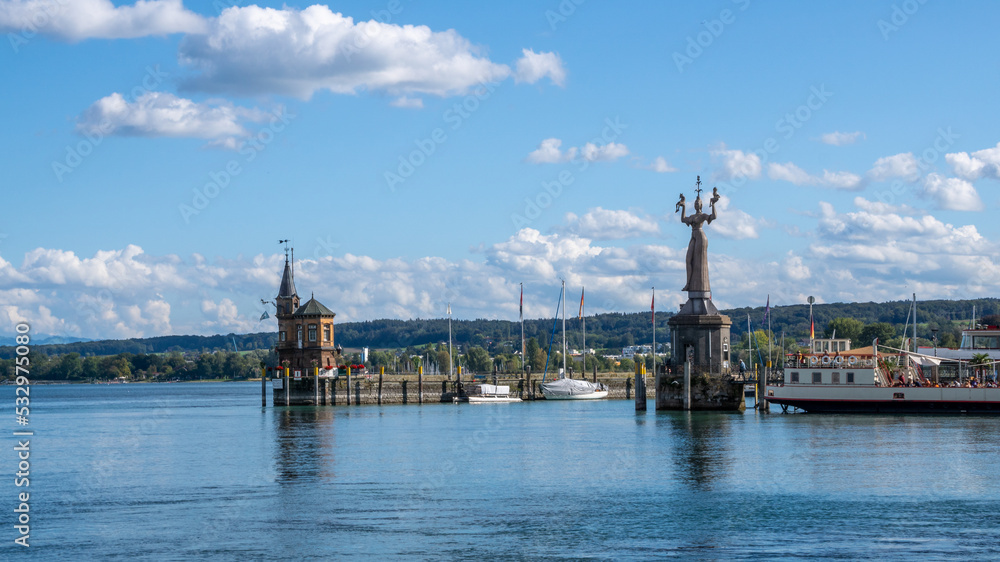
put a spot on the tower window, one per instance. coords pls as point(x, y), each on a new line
point(281, 335)
point(312, 332)
point(326, 332)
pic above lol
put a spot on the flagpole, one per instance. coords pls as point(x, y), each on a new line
point(451, 357)
point(523, 359)
point(652, 307)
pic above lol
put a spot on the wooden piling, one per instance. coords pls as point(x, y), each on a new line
point(687, 384)
point(640, 387)
point(263, 387)
point(381, 371)
point(315, 386)
point(288, 386)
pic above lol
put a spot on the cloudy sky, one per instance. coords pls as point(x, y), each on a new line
point(419, 153)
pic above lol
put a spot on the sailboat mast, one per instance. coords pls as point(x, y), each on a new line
point(564, 325)
point(914, 322)
point(583, 320)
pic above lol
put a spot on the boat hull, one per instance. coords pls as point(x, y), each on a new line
point(493, 399)
point(591, 396)
point(896, 400)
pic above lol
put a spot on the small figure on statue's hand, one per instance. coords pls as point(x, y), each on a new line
point(680, 204)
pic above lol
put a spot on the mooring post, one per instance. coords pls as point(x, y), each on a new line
point(348, 385)
point(640, 387)
point(381, 371)
point(263, 387)
point(315, 386)
point(420, 384)
point(687, 384)
point(288, 384)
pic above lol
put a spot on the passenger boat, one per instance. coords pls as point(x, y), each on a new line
point(842, 380)
point(490, 393)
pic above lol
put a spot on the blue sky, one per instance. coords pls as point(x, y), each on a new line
point(419, 153)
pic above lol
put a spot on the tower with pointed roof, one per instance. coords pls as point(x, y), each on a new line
point(305, 332)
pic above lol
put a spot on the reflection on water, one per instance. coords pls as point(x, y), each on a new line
point(304, 444)
point(701, 445)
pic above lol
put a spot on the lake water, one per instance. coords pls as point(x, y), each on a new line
point(201, 471)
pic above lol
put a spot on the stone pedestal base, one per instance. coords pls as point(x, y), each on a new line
point(707, 393)
point(700, 335)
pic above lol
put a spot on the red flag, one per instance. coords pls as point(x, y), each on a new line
point(652, 307)
point(521, 307)
point(812, 328)
point(581, 304)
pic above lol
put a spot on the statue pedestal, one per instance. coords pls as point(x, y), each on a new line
point(700, 334)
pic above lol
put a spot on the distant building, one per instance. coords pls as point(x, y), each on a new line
point(305, 333)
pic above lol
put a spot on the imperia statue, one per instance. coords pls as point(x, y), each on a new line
point(697, 254)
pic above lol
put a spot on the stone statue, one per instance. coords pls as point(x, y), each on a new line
point(697, 254)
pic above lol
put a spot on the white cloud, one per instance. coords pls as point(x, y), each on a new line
point(252, 50)
point(842, 180)
point(837, 138)
point(159, 114)
point(660, 165)
point(903, 165)
point(794, 268)
point(603, 152)
point(837, 180)
point(789, 172)
point(982, 163)
point(532, 67)
point(609, 224)
point(952, 193)
point(549, 152)
point(872, 253)
point(76, 20)
point(409, 103)
point(735, 163)
point(735, 224)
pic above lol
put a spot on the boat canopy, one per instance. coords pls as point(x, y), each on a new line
point(570, 387)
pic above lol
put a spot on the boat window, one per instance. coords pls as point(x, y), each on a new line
point(850, 378)
point(835, 378)
point(817, 378)
point(795, 376)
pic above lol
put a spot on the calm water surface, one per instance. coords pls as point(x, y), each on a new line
point(200, 471)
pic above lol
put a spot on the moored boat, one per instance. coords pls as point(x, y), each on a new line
point(573, 389)
point(490, 393)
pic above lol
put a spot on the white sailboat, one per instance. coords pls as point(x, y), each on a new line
point(569, 389)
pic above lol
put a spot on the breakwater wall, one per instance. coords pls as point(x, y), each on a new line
point(325, 391)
